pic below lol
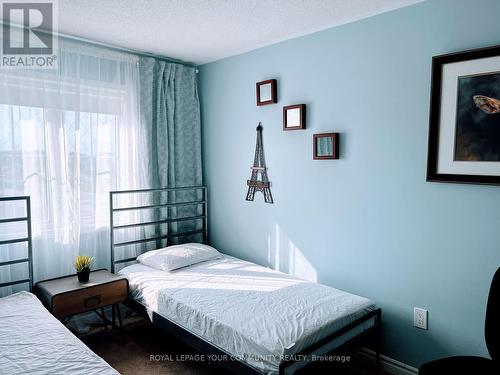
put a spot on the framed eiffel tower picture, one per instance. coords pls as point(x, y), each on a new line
point(259, 180)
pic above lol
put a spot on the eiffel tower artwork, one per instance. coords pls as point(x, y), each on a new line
point(259, 168)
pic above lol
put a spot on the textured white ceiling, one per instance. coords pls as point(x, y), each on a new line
point(201, 31)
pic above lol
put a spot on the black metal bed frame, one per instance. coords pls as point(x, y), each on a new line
point(113, 210)
point(27, 239)
point(289, 366)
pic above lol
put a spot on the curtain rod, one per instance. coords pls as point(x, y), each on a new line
point(110, 46)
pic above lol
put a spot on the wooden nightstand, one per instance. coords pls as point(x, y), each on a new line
point(65, 296)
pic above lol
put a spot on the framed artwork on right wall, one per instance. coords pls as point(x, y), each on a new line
point(464, 124)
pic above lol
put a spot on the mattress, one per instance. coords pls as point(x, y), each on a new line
point(32, 341)
point(253, 313)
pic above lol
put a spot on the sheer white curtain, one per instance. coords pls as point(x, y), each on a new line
point(68, 137)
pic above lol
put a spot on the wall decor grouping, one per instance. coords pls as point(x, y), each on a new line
point(325, 146)
point(464, 125)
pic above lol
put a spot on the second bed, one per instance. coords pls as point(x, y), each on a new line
point(257, 315)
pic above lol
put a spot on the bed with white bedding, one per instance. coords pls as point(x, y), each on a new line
point(32, 341)
point(255, 314)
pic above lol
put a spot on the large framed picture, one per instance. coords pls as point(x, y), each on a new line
point(464, 126)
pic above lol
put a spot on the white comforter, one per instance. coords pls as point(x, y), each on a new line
point(249, 311)
point(32, 341)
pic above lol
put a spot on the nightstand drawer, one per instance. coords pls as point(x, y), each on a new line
point(90, 298)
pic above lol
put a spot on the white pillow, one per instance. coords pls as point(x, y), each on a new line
point(173, 257)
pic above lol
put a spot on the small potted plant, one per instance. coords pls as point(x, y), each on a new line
point(82, 265)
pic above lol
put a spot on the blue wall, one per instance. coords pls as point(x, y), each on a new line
point(368, 223)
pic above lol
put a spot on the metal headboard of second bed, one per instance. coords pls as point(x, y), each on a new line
point(27, 239)
point(165, 209)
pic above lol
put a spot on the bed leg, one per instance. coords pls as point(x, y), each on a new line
point(119, 314)
point(377, 360)
point(378, 343)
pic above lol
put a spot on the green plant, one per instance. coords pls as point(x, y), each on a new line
point(83, 261)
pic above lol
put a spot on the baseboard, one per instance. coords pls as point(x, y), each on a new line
point(390, 365)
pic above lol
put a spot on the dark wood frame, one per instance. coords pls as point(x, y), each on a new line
point(435, 112)
point(302, 117)
point(371, 335)
point(274, 92)
point(335, 137)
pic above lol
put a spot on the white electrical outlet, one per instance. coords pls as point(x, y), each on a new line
point(420, 318)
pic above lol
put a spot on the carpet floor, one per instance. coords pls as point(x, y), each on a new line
point(150, 351)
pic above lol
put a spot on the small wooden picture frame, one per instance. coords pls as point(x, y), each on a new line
point(294, 117)
point(326, 146)
point(267, 92)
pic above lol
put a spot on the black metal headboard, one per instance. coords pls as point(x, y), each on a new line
point(26, 239)
point(165, 206)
